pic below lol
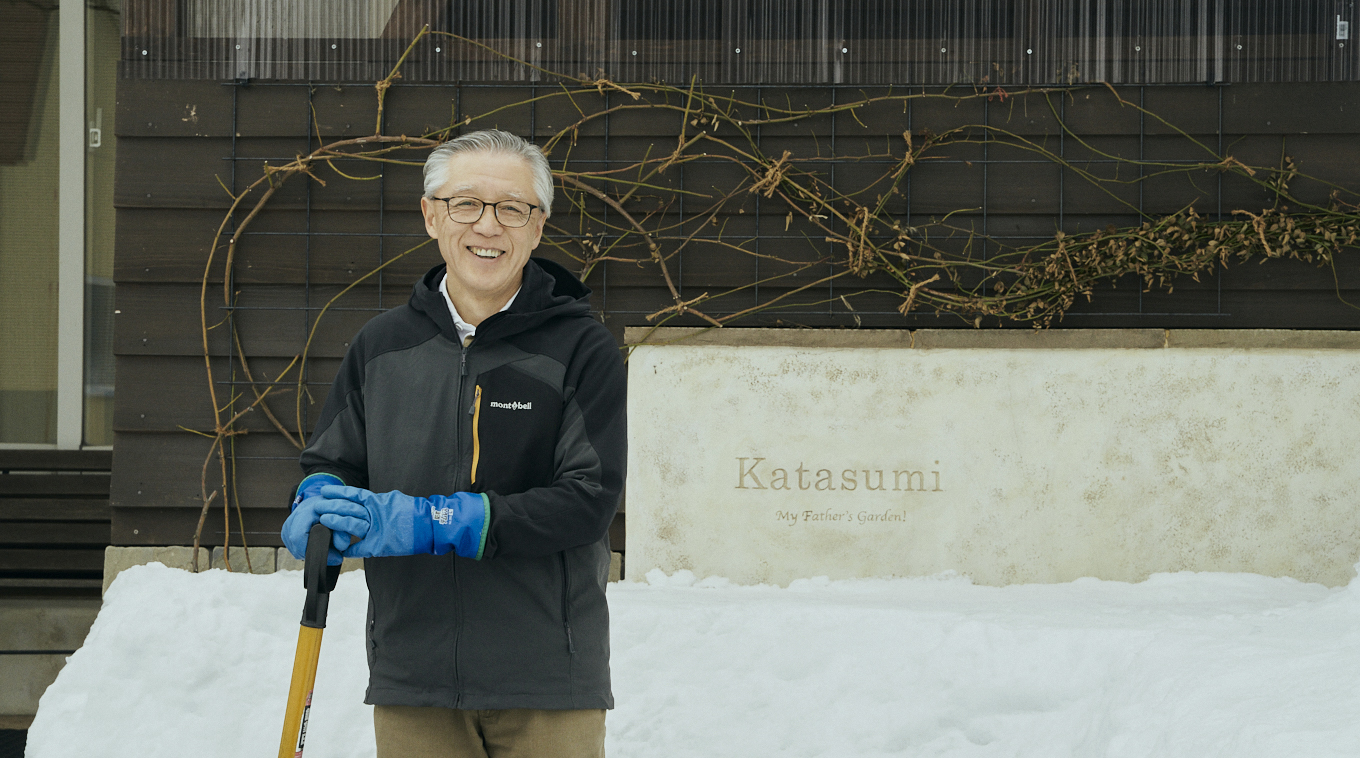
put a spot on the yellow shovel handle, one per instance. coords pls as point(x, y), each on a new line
point(300, 692)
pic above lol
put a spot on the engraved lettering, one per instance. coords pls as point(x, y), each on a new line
point(920, 480)
point(744, 472)
point(887, 516)
point(754, 473)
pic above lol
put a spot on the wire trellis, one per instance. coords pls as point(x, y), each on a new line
point(848, 202)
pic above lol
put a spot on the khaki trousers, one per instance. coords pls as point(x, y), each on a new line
point(410, 732)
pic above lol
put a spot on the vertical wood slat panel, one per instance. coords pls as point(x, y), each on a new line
point(997, 42)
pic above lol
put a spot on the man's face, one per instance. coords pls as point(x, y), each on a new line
point(485, 260)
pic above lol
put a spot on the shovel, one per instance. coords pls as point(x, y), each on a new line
point(319, 580)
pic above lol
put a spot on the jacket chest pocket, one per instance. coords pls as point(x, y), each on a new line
point(515, 421)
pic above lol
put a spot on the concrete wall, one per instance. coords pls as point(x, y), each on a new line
point(765, 456)
point(36, 636)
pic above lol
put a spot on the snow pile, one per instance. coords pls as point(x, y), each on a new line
point(1181, 665)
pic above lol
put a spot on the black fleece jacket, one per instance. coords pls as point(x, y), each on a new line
point(532, 413)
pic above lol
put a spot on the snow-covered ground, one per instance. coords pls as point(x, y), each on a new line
point(1188, 665)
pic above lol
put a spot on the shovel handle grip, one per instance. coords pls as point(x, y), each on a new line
point(317, 577)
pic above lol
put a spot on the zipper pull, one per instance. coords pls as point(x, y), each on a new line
point(571, 646)
point(462, 371)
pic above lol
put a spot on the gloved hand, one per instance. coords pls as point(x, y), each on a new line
point(394, 523)
point(308, 507)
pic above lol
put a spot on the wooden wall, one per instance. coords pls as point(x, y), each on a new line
point(177, 139)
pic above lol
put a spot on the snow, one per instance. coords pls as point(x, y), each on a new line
point(1186, 664)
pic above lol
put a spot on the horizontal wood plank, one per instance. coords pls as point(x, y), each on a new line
point(54, 485)
point(272, 320)
point(176, 526)
point(62, 560)
point(54, 509)
point(172, 173)
point(174, 108)
point(170, 394)
point(52, 534)
point(1291, 108)
point(56, 460)
point(52, 584)
point(166, 471)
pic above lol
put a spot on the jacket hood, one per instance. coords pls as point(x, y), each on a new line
point(547, 291)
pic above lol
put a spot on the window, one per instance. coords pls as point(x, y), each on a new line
point(56, 222)
point(28, 226)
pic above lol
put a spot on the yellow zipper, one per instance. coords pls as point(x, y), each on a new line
point(476, 415)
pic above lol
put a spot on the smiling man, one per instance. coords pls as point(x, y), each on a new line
point(472, 451)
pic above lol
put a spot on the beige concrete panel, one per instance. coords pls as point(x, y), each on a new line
point(45, 623)
point(261, 560)
point(26, 678)
point(286, 562)
point(37, 624)
point(116, 559)
point(1040, 339)
point(1290, 339)
point(767, 464)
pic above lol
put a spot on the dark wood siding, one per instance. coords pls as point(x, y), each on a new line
point(179, 138)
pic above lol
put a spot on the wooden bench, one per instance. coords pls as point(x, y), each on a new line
point(54, 521)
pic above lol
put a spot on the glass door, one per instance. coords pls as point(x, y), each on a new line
point(29, 149)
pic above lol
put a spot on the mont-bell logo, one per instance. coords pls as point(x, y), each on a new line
point(514, 405)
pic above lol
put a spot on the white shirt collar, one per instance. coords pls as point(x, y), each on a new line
point(463, 328)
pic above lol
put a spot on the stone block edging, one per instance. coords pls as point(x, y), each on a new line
point(1004, 339)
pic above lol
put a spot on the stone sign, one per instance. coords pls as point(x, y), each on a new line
point(772, 463)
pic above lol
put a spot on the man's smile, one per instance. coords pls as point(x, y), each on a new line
point(485, 252)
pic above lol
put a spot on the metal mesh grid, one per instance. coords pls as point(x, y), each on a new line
point(383, 242)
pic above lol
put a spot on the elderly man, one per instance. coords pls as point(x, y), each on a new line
point(472, 451)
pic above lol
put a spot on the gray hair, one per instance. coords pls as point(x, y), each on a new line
point(491, 141)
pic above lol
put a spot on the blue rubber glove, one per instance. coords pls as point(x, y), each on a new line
point(311, 487)
point(308, 507)
point(394, 523)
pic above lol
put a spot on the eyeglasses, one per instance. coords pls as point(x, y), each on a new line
point(511, 214)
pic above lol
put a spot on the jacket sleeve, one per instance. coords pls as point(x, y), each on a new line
point(591, 457)
point(338, 444)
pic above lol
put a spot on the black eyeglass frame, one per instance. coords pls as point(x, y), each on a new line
point(495, 210)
